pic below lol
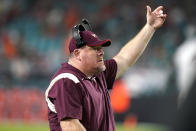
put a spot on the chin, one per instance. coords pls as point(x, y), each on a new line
point(98, 70)
point(102, 68)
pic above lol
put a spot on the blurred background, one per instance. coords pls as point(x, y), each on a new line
point(33, 44)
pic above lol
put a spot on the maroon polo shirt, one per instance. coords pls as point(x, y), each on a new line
point(79, 97)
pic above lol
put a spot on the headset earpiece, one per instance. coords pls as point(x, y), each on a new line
point(76, 32)
point(76, 35)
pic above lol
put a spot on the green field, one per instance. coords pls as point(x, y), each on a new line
point(23, 127)
point(5, 126)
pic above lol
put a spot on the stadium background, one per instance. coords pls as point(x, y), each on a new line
point(33, 44)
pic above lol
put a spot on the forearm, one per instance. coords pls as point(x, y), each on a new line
point(133, 49)
point(72, 125)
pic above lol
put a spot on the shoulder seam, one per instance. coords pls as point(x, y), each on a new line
point(58, 77)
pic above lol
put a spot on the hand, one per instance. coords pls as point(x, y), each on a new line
point(155, 18)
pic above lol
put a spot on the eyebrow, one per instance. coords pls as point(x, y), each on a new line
point(96, 47)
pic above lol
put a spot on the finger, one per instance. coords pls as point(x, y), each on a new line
point(162, 16)
point(158, 9)
point(160, 12)
point(148, 10)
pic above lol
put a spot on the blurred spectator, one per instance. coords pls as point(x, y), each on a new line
point(185, 64)
point(9, 48)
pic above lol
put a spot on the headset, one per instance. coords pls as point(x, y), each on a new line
point(76, 32)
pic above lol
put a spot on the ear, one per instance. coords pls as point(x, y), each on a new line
point(77, 54)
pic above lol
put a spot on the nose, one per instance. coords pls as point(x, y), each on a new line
point(100, 52)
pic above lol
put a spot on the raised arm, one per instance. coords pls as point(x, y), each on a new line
point(72, 125)
point(135, 47)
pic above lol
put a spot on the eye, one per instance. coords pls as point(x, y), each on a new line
point(97, 48)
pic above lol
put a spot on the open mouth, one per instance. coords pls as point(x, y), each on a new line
point(100, 60)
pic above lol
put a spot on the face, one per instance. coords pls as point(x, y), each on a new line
point(92, 59)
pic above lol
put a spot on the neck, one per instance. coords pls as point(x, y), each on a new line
point(77, 66)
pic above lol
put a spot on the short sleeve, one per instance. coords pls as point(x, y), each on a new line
point(68, 99)
point(110, 72)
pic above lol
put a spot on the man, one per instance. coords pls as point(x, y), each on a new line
point(77, 96)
